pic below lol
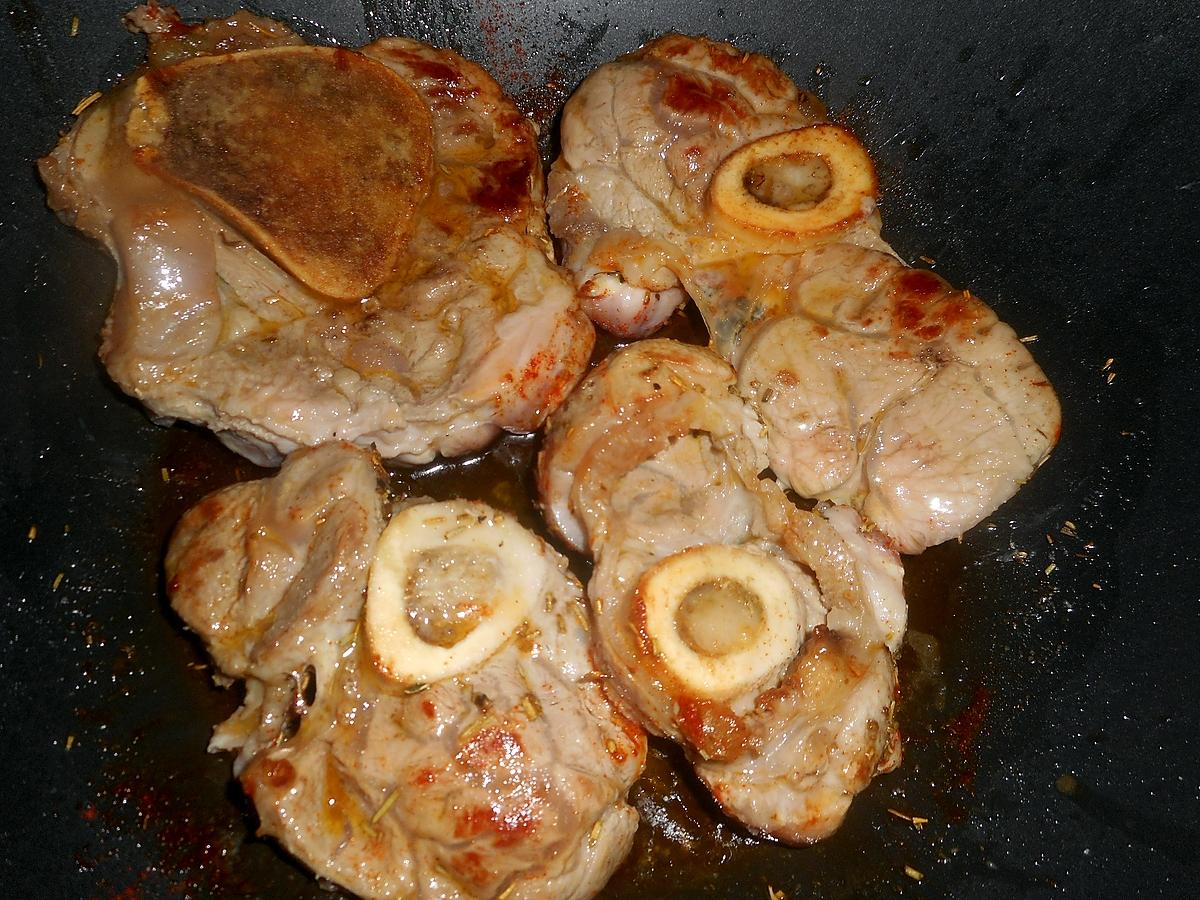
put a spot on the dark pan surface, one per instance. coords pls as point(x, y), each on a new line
point(1043, 154)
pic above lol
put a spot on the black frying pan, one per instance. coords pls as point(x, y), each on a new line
point(1043, 154)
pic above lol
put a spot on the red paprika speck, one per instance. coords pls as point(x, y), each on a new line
point(503, 186)
point(425, 777)
point(689, 96)
point(964, 730)
point(537, 363)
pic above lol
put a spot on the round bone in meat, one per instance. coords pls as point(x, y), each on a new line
point(797, 185)
point(690, 165)
point(757, 635)
point(722, 618)
point(450, 584)
point(504, 774)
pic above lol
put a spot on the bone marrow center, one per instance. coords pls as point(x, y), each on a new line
point(792, 181)
point(796, 185)
point(722, 620)
point(719, 616)
point(450, 592)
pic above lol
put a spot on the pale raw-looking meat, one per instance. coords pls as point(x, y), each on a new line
point(653, 465)
point(881, 386)
point(475, 330)
point(508, 778)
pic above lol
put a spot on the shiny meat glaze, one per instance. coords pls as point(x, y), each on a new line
point(476, 332)
point(507, 780)
point(880, 385)
point(884, 388)
point(593, 425)
point(656, 454)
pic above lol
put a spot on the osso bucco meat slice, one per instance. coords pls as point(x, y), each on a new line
point(883, 387)
point(316, 243)
point(421, 714)
point(692, 168)
point(757, 635)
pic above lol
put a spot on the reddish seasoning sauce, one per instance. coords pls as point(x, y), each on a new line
point(278, 773)
point(509, 825)
point(689, 96)
point(956, 311)
point(427, 68)
point(750, 67)
point(471, 865)
point(425, 777)
point(504, 186)
point(907, 314)
point(929, 332)
point(490, 747)
point(924, 305)
point(175, 27)
point(448, 90)
point(964, 730)
point(919, 283)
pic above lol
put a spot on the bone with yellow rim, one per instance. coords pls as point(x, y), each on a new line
point(798, 185)
point(723, 619)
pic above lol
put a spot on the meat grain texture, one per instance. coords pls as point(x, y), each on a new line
point(473, 330)
point(881, 386)
point(509, 778)
point(654, 462)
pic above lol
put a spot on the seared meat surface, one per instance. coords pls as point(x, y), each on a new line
point(397, 289)
point(407, 730)
point(757, 635)
point(884, 388)
point(641, 138)
point(692, 166)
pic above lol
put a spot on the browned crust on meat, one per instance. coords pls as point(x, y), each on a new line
point(321, 155)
